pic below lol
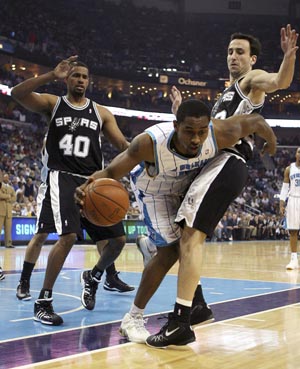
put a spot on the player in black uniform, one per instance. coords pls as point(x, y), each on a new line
point(72, 151)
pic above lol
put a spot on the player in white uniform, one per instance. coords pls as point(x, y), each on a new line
point(160, 186)
point(291, 189)
point(182, 149)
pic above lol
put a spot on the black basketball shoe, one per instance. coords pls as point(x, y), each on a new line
point(43, 312)
point(23, 291)
point(114, 283)
point(172, 333)
point(89, 289)
point(201, 314)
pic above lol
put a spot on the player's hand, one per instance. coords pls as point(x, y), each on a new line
point(281, 210)
point(269, 147)
point(176, 99)
point(65, 67)
point(288, 40)
point(79, 194)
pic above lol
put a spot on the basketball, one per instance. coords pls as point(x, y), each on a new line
point(106, 202)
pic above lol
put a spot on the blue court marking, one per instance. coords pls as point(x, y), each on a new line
point(17, 316)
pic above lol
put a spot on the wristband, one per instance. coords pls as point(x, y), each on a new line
point(284, 191)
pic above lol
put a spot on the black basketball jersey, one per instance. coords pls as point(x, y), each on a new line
point(233, 102)
point(73, 142)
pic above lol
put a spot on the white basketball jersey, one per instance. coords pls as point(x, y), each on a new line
point(294, 180)
point(171, 173)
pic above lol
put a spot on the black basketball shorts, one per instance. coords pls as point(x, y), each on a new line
point(220, 181)
point(98, 233)
point(57, 211)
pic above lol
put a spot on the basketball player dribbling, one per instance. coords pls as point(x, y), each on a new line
point(166, 164)
point(72, 152)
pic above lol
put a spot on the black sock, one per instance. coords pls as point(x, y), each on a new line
point(27, 271)
point(198, 297)
point(45, 294)
point(111, 270)
point(182, 313)
point(96, 273)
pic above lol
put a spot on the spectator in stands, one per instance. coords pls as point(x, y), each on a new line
point(261, 227)
point(225, 231)
point(232, 224)
point(29, 190)
point(244, 226)
point(16, 211)
point(20, 192)
point(27, 210)
point(218, 232)
point(253, 225)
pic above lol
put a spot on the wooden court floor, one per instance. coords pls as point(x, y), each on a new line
point(254, 299)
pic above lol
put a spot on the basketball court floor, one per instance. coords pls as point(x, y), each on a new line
point(254, 299)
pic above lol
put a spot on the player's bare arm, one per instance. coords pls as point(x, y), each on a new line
point(229, 131)
point(24, 93)
point(286, 181)
point(260, 81)
point(286, 177)
point(139, 150)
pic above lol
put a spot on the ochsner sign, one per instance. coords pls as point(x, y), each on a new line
point(190, 82)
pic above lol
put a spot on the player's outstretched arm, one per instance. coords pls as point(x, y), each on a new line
point(270, 82)
point(229, 131)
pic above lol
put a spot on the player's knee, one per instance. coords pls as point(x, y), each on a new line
point(167, 255)
point(38, 240)
point(68, 240)
point(117, 243)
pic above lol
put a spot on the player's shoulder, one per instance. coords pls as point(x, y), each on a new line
point(251, 75)
point(49, 101)
point(255, 72)
point(288, 168)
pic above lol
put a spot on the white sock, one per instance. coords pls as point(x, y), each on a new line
point(184, 302)
point(134, 310)
point(294, 256)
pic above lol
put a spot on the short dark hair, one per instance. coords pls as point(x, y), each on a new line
point(192, 108)
point(255, 45)
point(79, 63)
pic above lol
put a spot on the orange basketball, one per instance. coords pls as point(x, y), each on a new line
point(106, 202)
